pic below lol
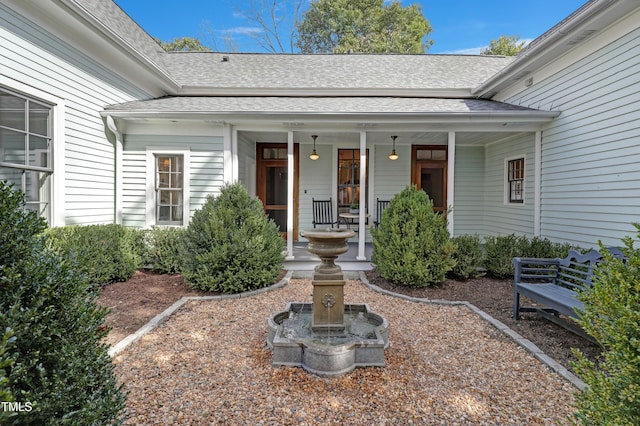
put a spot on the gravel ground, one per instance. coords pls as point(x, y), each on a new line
point(208, 364)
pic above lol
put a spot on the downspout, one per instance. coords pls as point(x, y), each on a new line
point(118, 150)
point(537, 189)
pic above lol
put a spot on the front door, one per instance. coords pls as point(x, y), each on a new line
point(429, 173)
point(272, 182)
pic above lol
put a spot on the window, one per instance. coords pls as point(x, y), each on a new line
point(25, 149)
point(169, 189)
point(349, 177)
point(515, 180)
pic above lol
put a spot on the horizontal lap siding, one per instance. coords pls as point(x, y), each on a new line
point(206, 171)
point(391, 177)
point(468, 210)
point(36, 58)
point(591, 178)
point(316, 178)
point(501, 218)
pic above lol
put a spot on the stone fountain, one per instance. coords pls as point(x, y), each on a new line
point(327, 337)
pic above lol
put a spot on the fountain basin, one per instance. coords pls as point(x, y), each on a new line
point(294, 342)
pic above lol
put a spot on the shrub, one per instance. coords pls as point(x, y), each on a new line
point(164, 249)
point(56, 360)
point(543, 247)
point(230, 245)
point(612, 316)
point(500, 251)
point(412, 245)
point(104, 253)
point(469, 257)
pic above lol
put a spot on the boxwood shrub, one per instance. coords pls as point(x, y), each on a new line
point(104, 253)
point(163, 249)
point(469, 256)
point(52, 352)
point(230, 245)
point(612, 316)
point(412, 246)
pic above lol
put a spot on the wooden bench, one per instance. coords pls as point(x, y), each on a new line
point(554, 283)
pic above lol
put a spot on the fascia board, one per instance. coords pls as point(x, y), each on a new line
point(537, 117)
point(324, 92)
point(164, 78)
point(76, 26)
point(595, 15)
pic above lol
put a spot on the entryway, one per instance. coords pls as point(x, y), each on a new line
point(272, 183)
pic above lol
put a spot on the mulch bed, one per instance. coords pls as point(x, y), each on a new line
point(134, 302)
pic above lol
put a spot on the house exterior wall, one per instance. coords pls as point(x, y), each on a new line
point(33, 58)
point(590, 154)
point(500, 217)
point(468, 210)
point(205, 172)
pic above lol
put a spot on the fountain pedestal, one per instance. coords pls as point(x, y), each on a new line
point(328, 280)
point(327, 337)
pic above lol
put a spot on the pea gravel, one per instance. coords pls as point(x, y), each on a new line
point(208, 364)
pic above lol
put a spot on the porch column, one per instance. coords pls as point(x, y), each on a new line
point(230, 137)
point(362, 201)
point(451, 161)
point(537, 183)
point(290, 179)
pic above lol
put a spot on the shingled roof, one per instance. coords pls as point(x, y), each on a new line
point(349, 71)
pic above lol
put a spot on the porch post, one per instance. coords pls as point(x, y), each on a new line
point(362, 201)
point(230, 154)
point(537, 182)
point(451, 161)
point(290, 179)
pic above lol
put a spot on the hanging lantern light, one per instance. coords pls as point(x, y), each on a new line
point(393, 155)
point(314, 155)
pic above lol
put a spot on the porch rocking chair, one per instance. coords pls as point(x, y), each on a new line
point(323, 212)
point(381, 205)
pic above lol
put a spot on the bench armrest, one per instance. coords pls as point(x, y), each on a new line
point(529, 269)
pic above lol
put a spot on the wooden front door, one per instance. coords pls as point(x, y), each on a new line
point(272, 182)
point(429, 173)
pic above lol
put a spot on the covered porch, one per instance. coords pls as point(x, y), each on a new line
point(302, 260)
point(462, 171)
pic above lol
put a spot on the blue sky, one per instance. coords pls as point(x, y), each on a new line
point(459, 26)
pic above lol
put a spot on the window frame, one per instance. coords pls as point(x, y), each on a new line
point(510, 181)
point(354, 178)
point(42, 195)
point(152, 189)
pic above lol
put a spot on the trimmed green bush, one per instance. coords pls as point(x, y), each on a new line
point(500, 251)
point(612, 316)
point(469, 257)
point(164, 249)
point(543, 247)
point(231, 246)
point(104, 253)
point(56, 360)
point(412, 245)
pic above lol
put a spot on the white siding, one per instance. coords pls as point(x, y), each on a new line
point(315, 181)
point(468, 211)
point(501, 217)
point(206, 171)
point(391, 177)
point(590, 154)
point(35, 58)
